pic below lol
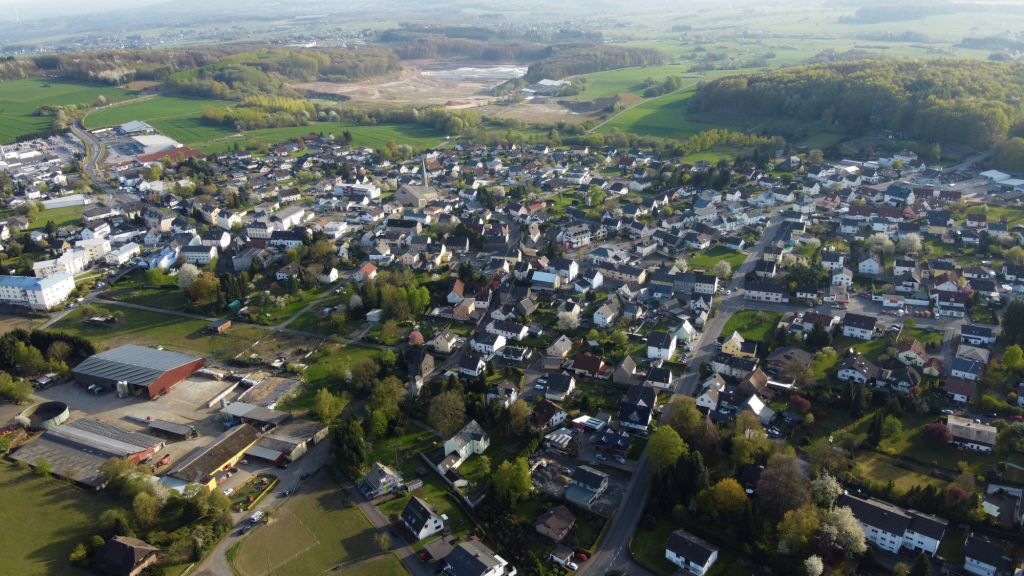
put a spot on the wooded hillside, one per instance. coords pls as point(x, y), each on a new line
point(970, 102)
point(589, 59)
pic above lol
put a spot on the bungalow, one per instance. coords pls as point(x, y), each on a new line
point(971, 435)
point(977, 335)
point(965, 369)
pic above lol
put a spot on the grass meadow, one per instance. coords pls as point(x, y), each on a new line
point(314, 531)
point(177, 333)
point(44, 520)
point(18, 98)
point(60, 216)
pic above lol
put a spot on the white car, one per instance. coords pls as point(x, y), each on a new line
point(228, 491)
point(256, 517)
point(461, 340)
point(600, 456)
point(727, 292)
point(620, 459)
point(571, 566)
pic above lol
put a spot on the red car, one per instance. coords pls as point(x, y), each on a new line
point(1016, 418)
point(424, 556)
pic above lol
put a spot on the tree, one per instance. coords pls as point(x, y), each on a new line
point(814, 566)
point(911, 243)
point(842, 533)
point(447, 412)
point(684, 416)
point(922, 566)
point(518, 418)
point(512, 481)
point(146, 508)
point(782, 486)
point(826, 489)
point(729, 497)
point(875, 432)
point(205, 288)
point(415, 338)
point(815, 157)
point(364, 372)
point(721, 269)
point(568, 321)
point(59, 351)
point(937, 434)
point(1013, 320)
point(901, 569)
point(819, 336)
point(891, 426)
point(187, 274)
point(79, 556)
point(1012, 357)
point(798, 404)
point(665, 447)
point(797, 528)
point(43, 467)
point(383, 541)
point(327, 406)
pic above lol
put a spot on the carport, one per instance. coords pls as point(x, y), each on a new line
point(272, 456)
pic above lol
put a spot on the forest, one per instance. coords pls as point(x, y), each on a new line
point(480, 42)
point(589, 59)
point(968, 102)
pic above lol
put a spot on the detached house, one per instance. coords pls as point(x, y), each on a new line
point(912, 353)
point(858, 326)
point(661, 345)
point(690, 553)
point(422, 518)
point(380, 480)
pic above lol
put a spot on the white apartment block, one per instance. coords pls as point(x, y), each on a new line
point(36, 293)
point(70, 262)
point(95, 249)
point(890, 527)
point(123, 255)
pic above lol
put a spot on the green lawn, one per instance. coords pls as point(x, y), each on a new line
point(328, 371)
point(18, 98)
point(179, 118)
point(708, 259)
point(881, 469)
point(925, 337)
point(317, 529)
point(630, 80)
point(750, 326)
point(387, 565)
point(50, 518)
point(176, 333)
point(60, 216)
point(871, 349)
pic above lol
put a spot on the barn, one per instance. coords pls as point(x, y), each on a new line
point(145, 370)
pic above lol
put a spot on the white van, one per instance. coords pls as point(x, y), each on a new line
point(256, 517)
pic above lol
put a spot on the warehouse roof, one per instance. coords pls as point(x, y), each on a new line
point(170, 427)
point(137, 365)
point(210, 460)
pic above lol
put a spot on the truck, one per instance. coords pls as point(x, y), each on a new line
point(164, 460)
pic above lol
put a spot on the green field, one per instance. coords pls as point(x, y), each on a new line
point(181, 119)
point(18, 98)
point(60, 216)
point(707, 260)
point(50, 518)
point(176, 333)
point(314, 531)
point(387, 565)
point(328, 371)
point(749, 326)
point(630, 80)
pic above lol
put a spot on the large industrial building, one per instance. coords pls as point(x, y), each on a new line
point(143, 370)
point(75, 451)
point(284, 438)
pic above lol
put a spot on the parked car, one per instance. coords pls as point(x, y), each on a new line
point(620, 459)
point(538, 387)
point(600, 456)
point(947, 411)
point(572, 566)
point(229, 491)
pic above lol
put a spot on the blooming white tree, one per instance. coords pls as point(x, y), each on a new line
point(568, 321)
point(881, 243)
point(722, 269)
point(910, 243)
point(355, 301)
point(825, 490)
point(814, 566)
point(682, 264)
point(812, 242)
point(843, 533)
point(187, 274)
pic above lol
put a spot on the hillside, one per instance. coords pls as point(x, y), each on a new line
point(969, 102)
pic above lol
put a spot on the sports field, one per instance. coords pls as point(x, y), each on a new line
point(18, 98)
point(314, 531)
point(43, 520)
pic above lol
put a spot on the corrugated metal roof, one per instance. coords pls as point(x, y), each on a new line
point(265, 453)
point(136, 364)
point(143, 441)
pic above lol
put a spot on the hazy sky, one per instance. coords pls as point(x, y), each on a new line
point(31, 9)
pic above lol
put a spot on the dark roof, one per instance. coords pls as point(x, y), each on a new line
point(690, 547)
point(859, 321)
point(136, 364)
point(662, 340)
point(588, 476)
point(660, 375)
point(211, 459)
point(613, 441)
point(958, 386)
point(645, 394)
point(986, 552)
point(751, 473)
point(470, 558)
point(877, 514)
point(120, 554)
point(417, 512)
point(765, 287)
point(975, 330)
point(143, 441)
